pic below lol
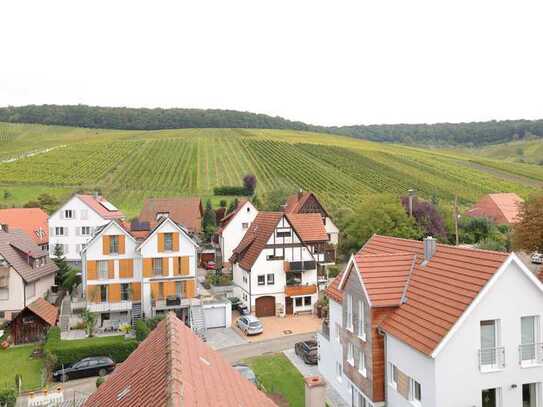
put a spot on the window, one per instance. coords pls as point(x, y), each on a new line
point(350, 354)
point(531, 392)
point(179, 289)
point(103, 294)
point(157, 266)
point(491, 356)
point(168, 242)
point(362, 363)
point(299, 301)
point(415, 392)
point(84, 214)
point(261, 280)
point(68, 214)
point(529, 338)
point(361, 320)
point(245, 225)
point(160, 215)
point(4, 294)
point(102, 270)
point(349, 321)
point(337, 332)
point(271, 279)
point(274, 257)
point(393, 375)
point(85, 230)
point(125, 292)
point(59, 231)
point(307, 301)
point(114, 244)
point(283, 233)
point(30, 290)
point(339, 372)
point(358, 400)
point(491, 398)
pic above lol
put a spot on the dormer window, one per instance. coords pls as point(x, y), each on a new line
point(168, 241)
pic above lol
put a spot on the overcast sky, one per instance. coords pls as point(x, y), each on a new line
point(329, 63)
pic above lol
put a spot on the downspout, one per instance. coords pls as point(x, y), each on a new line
point(250, 292)
point(383, 334)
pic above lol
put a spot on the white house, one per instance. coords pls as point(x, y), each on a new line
point(275, 264)
point(75, 222)
point(234, 226)
point(26, 272)
point(127, 273)
point(423, 324)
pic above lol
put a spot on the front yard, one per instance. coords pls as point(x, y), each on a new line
point(18, 360)
point(279, 377)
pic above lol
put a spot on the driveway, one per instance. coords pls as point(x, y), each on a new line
point(73, 390)
point(219, 338)
point(277, 327)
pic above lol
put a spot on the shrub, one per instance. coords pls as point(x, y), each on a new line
point(142, 330)
point(8, 397)
point(333, 271)
point(100, 381)
point(230, 190)
point(68, 352)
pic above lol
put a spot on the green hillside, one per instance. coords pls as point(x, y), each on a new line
point(130, 165)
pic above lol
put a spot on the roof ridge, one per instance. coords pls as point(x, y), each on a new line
point(384, 254)
point(174, 391)
point(403, 299)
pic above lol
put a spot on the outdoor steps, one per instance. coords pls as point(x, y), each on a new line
point(197, 321)
point(136, 313)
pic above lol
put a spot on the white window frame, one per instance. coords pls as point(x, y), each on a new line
point(349, 318)
point(59, 229)
point(337, 333)
point(72, 213)
point(499, 398)
point(537, 340)
point(350, 354)
point(245, 225)
point(392, 382)
point(339, 372)
point(412, 392)
point(362, 363)
point(361, 320)
point(102, 267)
point(498, 340)
point(87, 229)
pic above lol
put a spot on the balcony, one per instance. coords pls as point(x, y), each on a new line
point(110, 306)
point(170, 302)
point(297, 266)
point(491, 359)
point(297, 290)
point(531, 354)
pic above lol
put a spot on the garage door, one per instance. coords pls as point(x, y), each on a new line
point(265, 307)
point(215, 317)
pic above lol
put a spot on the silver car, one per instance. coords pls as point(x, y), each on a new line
point(250, 325)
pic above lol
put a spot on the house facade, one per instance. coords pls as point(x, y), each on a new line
point(26, 273)
point(32, 221)
point(420, 324)
point(127, 275)
point(274, 268)
point(75, 222)
point(233, 227)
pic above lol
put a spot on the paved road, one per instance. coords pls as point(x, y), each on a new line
point(73, 390)
point(236, 353)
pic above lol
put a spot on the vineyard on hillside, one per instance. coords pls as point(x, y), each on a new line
point(131, 165)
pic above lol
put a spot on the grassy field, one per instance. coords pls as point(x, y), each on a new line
point(128, 166)
point(18, 360)
point(278, 376)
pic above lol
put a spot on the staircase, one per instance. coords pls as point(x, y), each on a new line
point(136, 313)
point(197, 321)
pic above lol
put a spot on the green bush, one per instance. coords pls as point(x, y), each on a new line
point(142, 330)
point(68, 352)
point(8, 397)
point(100, 381)
point(333, 271)
point(230, 190)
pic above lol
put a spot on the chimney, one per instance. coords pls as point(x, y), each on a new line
point(300, 194)
point(430, 247)
point(411, 194)
point(4, 227)
point(315, 391)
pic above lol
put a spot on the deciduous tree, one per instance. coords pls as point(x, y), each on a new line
point(528, 232)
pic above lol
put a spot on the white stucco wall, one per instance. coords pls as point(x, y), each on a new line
point(234, 231)
point(15, 302)
point(459, 380)
point(332, 230)
point(73, 238)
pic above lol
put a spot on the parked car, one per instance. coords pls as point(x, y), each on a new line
point(92, 366)
point(537, 258)
point(308, 351)
point(211, 265)
point(246, 372)
point(243, 309)
point(250, 325)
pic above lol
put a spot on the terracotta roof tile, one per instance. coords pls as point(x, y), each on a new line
point(185, 211)
point(309, 226)
point(295, 203)
point(99, 204)
point(33, 221)
point(173, 367)
point(230, 215)
point(503, 208)
point(44, 310)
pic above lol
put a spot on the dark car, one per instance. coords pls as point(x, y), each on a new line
point(308, 351)
point(93, 366)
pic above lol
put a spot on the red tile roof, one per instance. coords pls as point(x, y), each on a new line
point(99, 204)
point(173, 367)
point(230, 215)
point(309, 226)
point(437, 293)
point(185, 211)
point(503, 208)
point(295, 202)
point(33, 221)
point(44, 310)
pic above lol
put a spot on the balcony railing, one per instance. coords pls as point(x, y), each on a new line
point(109, 306)
point(170, 302)
point(491, 359)
point(296, 266)
point(531, 354)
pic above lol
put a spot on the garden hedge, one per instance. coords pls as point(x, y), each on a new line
point(69, 352)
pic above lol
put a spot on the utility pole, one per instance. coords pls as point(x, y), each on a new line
point(455, 214)
point(411, 194)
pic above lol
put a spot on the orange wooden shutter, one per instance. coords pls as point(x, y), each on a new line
point(91, 270)
point(165, 264)
point(126, 268)
point(169, 288)
point(175, 266)
point(185, 266)
point(160, 240)
point(121, 244)
point(190, 291)
point(136, 291)
point(114, 293)
point(175, 242)
point(111, 269)
point(147, 267)
point(155, 291)
point(105, 244)
point(93, 293)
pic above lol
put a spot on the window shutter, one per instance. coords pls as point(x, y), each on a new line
point(169, 289)
point(176, 266)
point(155, 291)
point(160, 242)
point(165, 264)
point(136, 291)
point(111, 269)
point(190, 292)
point(175, 243)
point(185, 266)
point(91, 270)
point(126, 268)
point(121, 244)
point(147, 267)
point(114, 293)
point(105, 244)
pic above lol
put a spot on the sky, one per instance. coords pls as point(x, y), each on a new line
point(321, 62)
